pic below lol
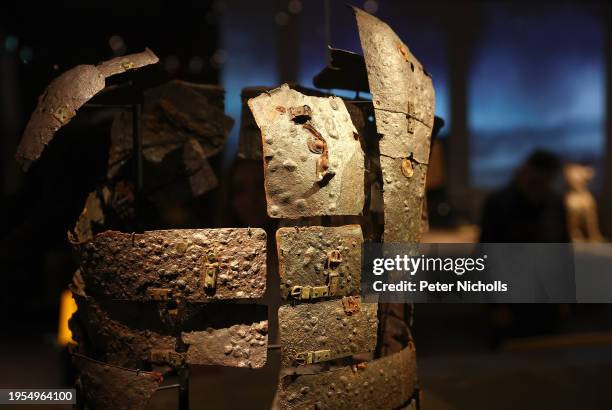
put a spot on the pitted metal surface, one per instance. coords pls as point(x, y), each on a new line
point(403, 196)
point(104, 386)
point(403, 99)
point(304, 258)
point(65, 95)
point(316, 332)
point(398, 82)
point(241, 345)
point(313, 163)
point(187, 264)
point(385, 383)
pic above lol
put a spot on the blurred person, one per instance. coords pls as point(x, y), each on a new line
point(528, 209)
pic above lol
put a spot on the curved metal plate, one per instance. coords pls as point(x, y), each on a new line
point(96, 330)
point(385, 383)
point(403, 98)
point(104, 386)
point(303, 257)
point(65, 95)
point(313, 160)
point(196, 265)
point(398, 81)
point(328, 328)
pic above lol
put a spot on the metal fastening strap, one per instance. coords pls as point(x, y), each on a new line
point(210, 275)
point(158, 294)
point(333, 281)
point(210, 271)
point(316, 356)
point(319, 292)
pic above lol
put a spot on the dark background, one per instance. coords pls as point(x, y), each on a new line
point(510, 78)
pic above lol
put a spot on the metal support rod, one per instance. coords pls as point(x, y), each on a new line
point(183, 402)
point(137, 147)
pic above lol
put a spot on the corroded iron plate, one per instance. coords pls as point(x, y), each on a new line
point(196, 265)
point(303, 254)
point(313, 161)
point(385, 383)
point(326, 326)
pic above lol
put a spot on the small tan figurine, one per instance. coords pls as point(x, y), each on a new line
point(582, 220)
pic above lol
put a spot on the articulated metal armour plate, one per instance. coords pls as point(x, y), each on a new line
point(403, 98)
point(112, 387)
point(96, 330)
point(173, 114)
point(398, 81)
point(196, 265)
point(65, 95)
point(317, 332)
point(239, 345)
point(313, 160)
point(317, 256)
point(385, 383)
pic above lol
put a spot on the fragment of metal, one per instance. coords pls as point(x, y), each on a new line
point(241, 345)
point(174, 114)
point(65, 95)
point(319, 261)
point(385, 383)
point(346, 70)
point(202, 178)
point(351, 304)
point(403, 100)
point(109, 203)
point(312, 166)
point(315, 332)
point(395, 321)
point(104, 386)
point(172, 264)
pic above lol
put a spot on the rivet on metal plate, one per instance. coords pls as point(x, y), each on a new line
point(407, 168)
point(62, 114)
